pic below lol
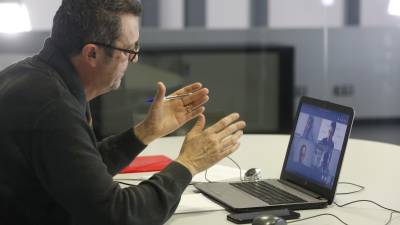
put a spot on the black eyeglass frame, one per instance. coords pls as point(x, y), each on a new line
point(132, 53)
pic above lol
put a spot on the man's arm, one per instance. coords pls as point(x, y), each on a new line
point(119, 150)
point(72, 171)
point(163, 118)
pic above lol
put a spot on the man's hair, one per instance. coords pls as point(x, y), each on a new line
point(79, 22)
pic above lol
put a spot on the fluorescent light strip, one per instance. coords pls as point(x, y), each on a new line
point(14, 18)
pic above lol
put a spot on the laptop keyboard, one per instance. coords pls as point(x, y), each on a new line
point(267, 192)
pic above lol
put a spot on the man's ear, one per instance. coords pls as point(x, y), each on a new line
point(92, 54)
point(89, 54)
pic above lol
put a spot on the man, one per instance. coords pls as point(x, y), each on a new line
point(308, 129)
point(328, 147)
point(52, 169)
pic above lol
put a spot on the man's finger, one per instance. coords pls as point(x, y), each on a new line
point(199, 102)
point(196, 97)
point(195, 113)
point(232, 129)
point(188, 89)
point(220, 125)
point(232, 140)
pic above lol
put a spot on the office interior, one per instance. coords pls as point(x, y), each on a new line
point(257, 57)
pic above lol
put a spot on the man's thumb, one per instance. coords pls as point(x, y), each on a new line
point(200, 124)
point(161, 89)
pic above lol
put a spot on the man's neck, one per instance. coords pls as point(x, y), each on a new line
point(84, 76)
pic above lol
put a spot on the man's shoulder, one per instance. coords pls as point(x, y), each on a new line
point(31, 80)
point(33, 74)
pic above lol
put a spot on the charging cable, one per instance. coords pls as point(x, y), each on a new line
point(361, 188)
point(234, 162)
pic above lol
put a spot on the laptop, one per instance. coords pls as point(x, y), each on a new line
point(311, 168)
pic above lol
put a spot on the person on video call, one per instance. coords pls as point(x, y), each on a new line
point(52, 169)
point(307, 134)
point(302, 154)
point(328, 150)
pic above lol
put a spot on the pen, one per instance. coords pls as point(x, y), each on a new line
point(170, 97)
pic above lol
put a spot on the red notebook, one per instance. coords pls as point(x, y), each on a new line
point(147, 164)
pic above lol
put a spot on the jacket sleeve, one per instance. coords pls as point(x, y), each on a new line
point(71, 169)
point(118, 151)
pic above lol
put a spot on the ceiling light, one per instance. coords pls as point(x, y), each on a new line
point(394, 8)
point(327, 3)
point(14, 17)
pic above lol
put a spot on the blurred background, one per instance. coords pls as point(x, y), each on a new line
point(257, 57)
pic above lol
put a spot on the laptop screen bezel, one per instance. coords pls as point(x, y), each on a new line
point(322, 191)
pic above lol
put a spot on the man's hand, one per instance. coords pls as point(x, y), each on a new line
point(204, 148)
point(165, 116)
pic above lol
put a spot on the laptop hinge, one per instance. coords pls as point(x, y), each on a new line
point(298, 188)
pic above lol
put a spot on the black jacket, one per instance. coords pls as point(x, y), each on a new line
point(52, 170)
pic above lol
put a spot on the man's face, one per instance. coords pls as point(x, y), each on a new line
point(112, 69)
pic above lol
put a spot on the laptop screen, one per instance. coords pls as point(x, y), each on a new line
point(317, 143)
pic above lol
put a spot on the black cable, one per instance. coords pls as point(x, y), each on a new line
point(392, 211)
point(370, 201)
point(323, 214)
point(351, 192)
point(390, 218)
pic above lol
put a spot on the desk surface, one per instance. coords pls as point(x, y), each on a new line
point(374, 165)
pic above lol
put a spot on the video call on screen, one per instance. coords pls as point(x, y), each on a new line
point(316, 145)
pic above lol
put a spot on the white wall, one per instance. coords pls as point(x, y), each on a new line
point(8, 59)
point(221, 14)
point(172, 14)
point(41, 13)
point(227, 14)
point(304, 13)
point(374, 13)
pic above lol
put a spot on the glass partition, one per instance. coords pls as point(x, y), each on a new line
point(350, 56)
point(255, 81)
point(342, 51)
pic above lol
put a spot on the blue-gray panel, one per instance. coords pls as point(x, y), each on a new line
point(151, 13)
point(259, 13)
point(352, 12)
point(195, 13)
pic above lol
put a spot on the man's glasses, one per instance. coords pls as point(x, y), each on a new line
point(132, 52)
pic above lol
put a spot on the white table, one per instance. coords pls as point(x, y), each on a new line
point(374, 165)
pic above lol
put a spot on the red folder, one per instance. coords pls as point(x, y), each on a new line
point(147, 164)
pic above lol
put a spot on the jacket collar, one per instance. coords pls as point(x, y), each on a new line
point(55, 57)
